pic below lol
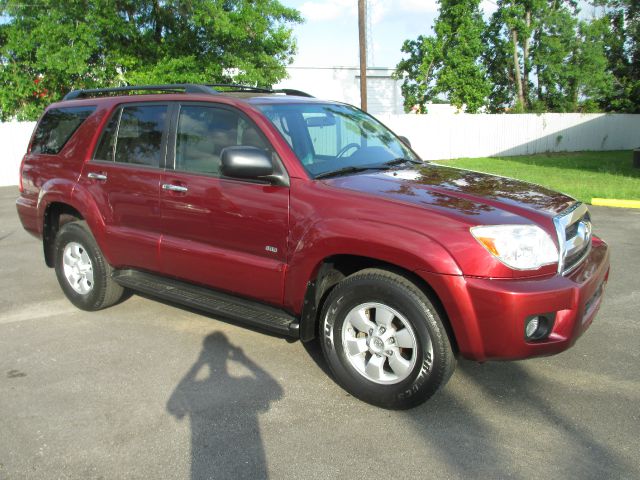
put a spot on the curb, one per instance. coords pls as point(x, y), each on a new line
point(610, 202)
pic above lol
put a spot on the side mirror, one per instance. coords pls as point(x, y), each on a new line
point(405, 140)
point(245, 162)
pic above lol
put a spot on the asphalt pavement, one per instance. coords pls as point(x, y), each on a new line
point(153, 391)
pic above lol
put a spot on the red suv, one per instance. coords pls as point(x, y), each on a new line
point(309, 219)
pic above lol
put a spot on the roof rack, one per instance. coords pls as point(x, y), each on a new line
point(244, 88)
point(207, 89)
point(169, 88)
point(291, 91)
point(233, 87)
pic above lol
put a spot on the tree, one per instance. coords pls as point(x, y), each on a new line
point(518, 19)
point(557, 62)
point(52, 46)
point(498, 60)
point(448, 63)
point(623, 54)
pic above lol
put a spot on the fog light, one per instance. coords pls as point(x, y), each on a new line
point(532, 326)
point(537, 327)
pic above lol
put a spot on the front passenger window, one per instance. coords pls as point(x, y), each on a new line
point(202, 134)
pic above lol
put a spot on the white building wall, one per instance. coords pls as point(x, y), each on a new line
point(342, 84)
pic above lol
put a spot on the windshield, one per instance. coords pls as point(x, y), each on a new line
point(331, 138)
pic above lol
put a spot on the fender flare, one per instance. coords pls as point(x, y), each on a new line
point(70, 193)
point(392, 244)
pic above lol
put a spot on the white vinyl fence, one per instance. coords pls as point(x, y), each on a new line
point(14, 139)
point(439, 137)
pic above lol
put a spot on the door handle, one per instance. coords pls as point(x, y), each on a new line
point(97, 176)
point(174, 188)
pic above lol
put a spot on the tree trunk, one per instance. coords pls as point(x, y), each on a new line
point(538, 83)
point(525, 61)
point(516, 68)
point(157, 28)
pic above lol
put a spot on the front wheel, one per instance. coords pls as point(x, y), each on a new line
point(384, 340)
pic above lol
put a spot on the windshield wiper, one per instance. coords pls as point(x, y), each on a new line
point(400, 161)
point(348, 170)
point(352, 169)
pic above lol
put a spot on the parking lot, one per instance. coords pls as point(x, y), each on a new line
point(150, 390)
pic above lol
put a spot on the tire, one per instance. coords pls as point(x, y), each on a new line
point(398, 366)
point(84, 274)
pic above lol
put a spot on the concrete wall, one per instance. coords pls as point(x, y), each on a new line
point(14, 139)
point(437, 137)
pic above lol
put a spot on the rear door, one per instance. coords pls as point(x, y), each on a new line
point(124, 179)
point(225, 233)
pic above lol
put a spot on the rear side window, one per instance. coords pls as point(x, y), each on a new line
point(133, 135)
point(56, 128)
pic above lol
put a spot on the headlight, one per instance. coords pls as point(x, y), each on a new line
point(521, 247)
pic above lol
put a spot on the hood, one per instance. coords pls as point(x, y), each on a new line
point(462, 192)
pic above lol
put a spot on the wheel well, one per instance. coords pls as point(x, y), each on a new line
point(55, 216)
point(334, 269)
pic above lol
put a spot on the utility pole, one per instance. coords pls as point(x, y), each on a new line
point(363, 53)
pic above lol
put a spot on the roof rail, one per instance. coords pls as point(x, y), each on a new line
point(172, 88)
point(290, 91)
point(207, 89)
point(245, 88)
point(233, 87)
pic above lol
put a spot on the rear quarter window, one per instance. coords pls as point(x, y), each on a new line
point(56, 128)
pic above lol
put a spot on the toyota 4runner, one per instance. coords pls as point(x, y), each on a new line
point(307, 218)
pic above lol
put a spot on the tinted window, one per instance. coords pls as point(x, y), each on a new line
point(325, 134)
point(140, 135)
point(203, 132)
point(331, 137)
point(57, 126)
point(106, 147)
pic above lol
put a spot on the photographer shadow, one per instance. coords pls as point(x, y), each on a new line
point(223, 411)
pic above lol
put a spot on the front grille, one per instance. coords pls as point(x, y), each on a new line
point(574, 237)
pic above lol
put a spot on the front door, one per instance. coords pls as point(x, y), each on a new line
point(225, 233)
point(124, 179)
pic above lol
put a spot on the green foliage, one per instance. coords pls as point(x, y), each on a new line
point(447, 63)
point(52, 46)
point(623, 54)
point(570, 62)
point(531, 56)
point(418, 71)
point(498, 60)
point(559, 60)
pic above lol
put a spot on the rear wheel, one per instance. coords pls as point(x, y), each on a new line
point(384, 340)
point(83, 273)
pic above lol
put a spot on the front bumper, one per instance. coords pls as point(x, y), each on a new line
point(488, 316)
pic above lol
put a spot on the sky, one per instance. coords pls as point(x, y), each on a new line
point(329, 35)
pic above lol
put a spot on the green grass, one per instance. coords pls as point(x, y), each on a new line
point(583, 175)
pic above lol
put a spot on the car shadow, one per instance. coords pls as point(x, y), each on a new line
point(499, 422)
point(222, 409)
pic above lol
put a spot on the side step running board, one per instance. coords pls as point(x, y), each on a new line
point(242, 310)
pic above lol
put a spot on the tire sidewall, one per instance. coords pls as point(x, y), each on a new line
point(75, 232)
point(427, 374)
